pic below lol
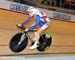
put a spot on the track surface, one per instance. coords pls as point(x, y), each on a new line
point(63, 34)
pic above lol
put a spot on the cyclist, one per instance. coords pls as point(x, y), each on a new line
point(42, 20)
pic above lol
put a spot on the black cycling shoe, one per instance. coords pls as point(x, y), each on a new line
point(32, 43)
point(21, 27)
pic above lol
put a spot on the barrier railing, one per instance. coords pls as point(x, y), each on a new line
point(23, 9)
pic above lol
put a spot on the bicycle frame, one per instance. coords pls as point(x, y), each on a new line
point(25, 34)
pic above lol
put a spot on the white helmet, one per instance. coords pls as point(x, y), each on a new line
point(33, 10)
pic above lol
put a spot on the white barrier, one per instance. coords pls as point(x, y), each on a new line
point(23, 9)
point(38, 58)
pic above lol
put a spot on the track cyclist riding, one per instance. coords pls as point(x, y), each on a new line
point(42, 20)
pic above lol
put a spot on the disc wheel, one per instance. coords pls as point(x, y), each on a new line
point(44, 42)
point(14, 43)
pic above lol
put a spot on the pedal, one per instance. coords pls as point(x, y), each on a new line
point(32, 43)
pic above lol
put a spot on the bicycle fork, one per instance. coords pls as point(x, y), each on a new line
point(23, 36)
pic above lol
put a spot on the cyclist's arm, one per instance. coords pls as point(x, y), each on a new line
point(36, 23)
point(26, 21)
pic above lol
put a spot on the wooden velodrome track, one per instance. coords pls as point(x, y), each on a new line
point(63, 34)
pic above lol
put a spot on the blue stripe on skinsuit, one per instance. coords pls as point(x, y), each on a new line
point(36, 23)
point(26, 21)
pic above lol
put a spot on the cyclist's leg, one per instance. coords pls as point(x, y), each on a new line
point(37, 35)
point(45, 26)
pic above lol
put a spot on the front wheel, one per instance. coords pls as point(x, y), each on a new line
point(44, 42)
point(14, 47)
